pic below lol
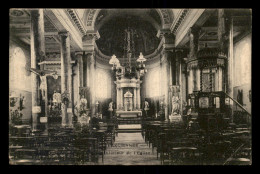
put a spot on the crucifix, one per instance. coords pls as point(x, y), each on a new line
point(43, 86)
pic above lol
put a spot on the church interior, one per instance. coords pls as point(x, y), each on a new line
point(130, 86)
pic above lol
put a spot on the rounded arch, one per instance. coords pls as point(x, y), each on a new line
point(90, 16)
point(166, 17)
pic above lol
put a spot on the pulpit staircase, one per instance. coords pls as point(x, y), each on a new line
point(239, 113)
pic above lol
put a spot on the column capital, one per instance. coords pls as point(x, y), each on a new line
point(163, 32)
point(195, 30)
point(90, 35)
point(64, 34)
point(89, 53)
point(167, 50)
point(79, 54)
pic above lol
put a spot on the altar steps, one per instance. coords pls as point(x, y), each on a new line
point(129, 130)
point(136, 120)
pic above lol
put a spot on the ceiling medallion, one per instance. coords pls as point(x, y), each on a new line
point(16, 13)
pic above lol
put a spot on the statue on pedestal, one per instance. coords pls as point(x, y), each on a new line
point(175, 105)
point(82, 111)
point(56, 99)
point(146, 107)
point(83, 103)
point(110, 107)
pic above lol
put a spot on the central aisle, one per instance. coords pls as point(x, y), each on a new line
point(130, 149)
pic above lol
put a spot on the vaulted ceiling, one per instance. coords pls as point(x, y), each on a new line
point(111, 23)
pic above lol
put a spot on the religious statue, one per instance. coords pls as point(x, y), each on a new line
point(84, 119)
point(21, 101)
point(146, 105)
point(175, 105)
point(81, 107)
point(83, 103)
point(56, 99)
point(43, 86)
point(110, 107)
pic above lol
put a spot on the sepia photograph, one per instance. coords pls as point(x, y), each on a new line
point(130, 86)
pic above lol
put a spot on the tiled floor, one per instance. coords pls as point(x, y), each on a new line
point(130, 149)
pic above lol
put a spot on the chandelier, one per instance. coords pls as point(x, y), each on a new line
point(128, 70)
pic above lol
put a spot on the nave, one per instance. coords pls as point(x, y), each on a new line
point(157, 143)
point(130, 86)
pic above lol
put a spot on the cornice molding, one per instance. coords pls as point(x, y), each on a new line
point(190, 19)
point(74, 16)
point(62, 22)
point(179, 20)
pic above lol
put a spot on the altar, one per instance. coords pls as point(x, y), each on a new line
point(129, 114)
point(128, 98)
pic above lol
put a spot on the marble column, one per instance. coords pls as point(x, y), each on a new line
point(216, 79)
point(221, 28)
point(138, 98)
point(71, 92)
point(113, 87)
point(190, 81)
point(117, 98)
point(92, 85)
point(220, 79)
point(230, 73)
point(167, 97)
point(66, 78)
point(85, 70)
point(80, 68)
point(173, 64)
point(37, 52)
point(135, 99)
point(197, 79)
point(194, 41)
point(177, 68)
point(121, 98)
point(230, 61)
